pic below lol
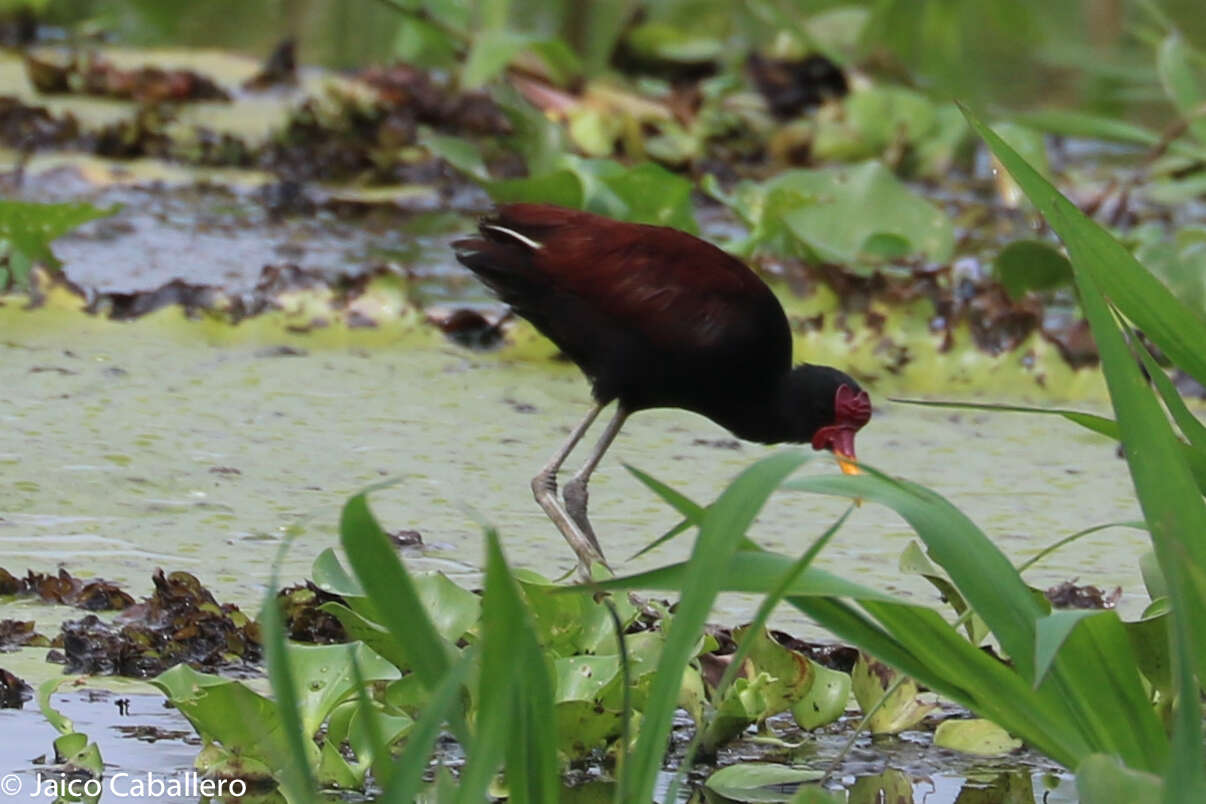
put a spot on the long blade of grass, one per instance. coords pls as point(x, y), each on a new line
point(984, 576)
point(1098, 424)
point(406, 778)
point(388, 585)
point(692, 512)
point(765, 608)
point(1189, 425)
point(297, 774)
point(372, 726)
point(726, 520)
point(1080, 534)
point(515, 718)
point(1167, 320)
point(1117, 722)
point(1171, 501)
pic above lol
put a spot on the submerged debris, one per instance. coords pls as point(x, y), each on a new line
point(14, 692)
point(95, 595)
point(279, 68)
point(792, 86)
point(179, 622)
point(20, 633)
point(93, 75)
point(305, 622)
point(1068, 595)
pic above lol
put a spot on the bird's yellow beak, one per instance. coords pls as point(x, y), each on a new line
point(848, 463)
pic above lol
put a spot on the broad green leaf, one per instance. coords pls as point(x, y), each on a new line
point(1026, 265)
point(852, 204)
point(1183, 83)
point(758, 781)
point(975, 736)
point(27, 229)
point(491, 52)
point(903, 709)
point(1102, 779)
point(825, 700)
point(562, 187)
point(655, 196)
point(325, 677)
point(330, 576)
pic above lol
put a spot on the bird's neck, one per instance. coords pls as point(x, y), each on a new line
point(759, 415)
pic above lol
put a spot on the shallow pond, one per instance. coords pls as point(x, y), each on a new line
point(144, 743)
point(185, 445)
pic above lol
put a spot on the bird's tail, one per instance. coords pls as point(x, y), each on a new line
point(503, 255)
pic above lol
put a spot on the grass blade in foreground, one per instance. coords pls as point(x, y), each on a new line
point(297, 775)
point(1172, 504)
point(1144, 299)
point(515, 716)
point(389, 587)
point(726, 520)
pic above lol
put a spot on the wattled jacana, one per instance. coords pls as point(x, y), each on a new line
point(656, 318)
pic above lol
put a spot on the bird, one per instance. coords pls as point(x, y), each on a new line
point(656, 318)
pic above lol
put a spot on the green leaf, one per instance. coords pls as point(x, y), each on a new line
point(561, 187)
point(392, 591)
point(975, 736)
point(1183, 83)
point(655, 196)
point(825, 700)
point(1102, 779)
point(489, 55)
point(753, 781)
point(1171, 500)
point(1026, 265)
point(1050, 633)
point(295, 756)
point(462, 154)
point(838, 210)
point(903, 709)
point(26, 231)
point(515, 707)
point(406, 778)
point(727, 520)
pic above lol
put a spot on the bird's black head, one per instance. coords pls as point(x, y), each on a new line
point(827, 408)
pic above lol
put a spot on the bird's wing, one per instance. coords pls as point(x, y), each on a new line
point(681, 293)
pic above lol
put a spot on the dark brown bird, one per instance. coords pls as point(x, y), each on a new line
point(656, 318)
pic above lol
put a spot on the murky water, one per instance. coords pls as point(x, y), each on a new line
point(166, 443)
point(145, 744)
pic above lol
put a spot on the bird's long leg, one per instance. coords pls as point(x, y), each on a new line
point(544, 488)
point(575, 491)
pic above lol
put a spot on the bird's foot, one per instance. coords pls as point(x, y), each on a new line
point(575, 496)
point(583, 543)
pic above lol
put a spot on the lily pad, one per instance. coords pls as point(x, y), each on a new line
point(840, 211)
point(902, 710)
point(975, 736)
point(759, 781)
